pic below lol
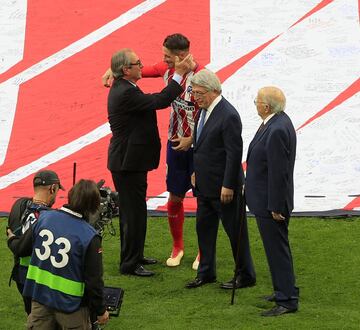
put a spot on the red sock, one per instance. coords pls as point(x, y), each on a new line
point(176, 223)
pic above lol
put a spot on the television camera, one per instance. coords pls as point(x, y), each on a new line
point(109, 208)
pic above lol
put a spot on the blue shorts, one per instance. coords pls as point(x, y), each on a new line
point(180, 166)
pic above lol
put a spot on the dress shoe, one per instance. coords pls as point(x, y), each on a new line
point(199, 282)
point(239, 284)
point(148, 261)
point(196, 262)
point(278, 310)
point(270, 298)
point(175, 261)
point(140, 271)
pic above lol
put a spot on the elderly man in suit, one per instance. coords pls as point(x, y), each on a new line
point(218, 180)
point(135, 149)
point(269, 191)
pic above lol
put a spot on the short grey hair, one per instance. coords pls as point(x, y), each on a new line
point(207, 79)
point(119, 61)
point(274, 97)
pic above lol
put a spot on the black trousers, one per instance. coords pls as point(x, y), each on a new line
point(18, 275)
point(209, 211)
point(131, 187)
point(26, 300)
point(277, 249)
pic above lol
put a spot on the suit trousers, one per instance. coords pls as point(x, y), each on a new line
point(131, 186)
point(209, 211)
point(277, 249)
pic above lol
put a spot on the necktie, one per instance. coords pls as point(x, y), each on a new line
point(261, 127)
point(201, 124)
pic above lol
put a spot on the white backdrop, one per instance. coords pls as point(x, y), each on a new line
point(313, 62)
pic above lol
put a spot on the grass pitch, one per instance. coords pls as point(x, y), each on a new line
point(326, 255)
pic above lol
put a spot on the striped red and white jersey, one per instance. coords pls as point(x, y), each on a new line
point(184, 110)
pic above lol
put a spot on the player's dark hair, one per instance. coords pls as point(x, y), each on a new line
point(176, 42)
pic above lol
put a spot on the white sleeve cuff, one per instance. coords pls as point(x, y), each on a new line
point(177, 78)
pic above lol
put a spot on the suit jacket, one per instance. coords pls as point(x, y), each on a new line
point(218, 152)
point(270, 166)
point(135, 144)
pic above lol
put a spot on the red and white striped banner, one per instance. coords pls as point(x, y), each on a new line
point(53, 106)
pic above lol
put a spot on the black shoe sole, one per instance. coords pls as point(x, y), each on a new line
point(242, 286)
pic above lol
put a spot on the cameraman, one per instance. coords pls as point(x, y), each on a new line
point(24, 213)
point(64, 278)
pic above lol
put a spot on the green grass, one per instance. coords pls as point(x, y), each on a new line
point(327, 262)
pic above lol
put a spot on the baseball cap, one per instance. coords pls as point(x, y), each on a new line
point(46, 178)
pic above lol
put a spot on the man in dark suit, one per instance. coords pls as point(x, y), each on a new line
point(218, 180)
point(135, 149)
point(269, 192)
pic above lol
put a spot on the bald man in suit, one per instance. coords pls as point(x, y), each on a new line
point(269, 191)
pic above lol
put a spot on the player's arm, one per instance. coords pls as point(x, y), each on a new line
point(151, 71)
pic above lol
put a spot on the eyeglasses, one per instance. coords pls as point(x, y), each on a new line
point(138, 62)
point(198, 93)
point(256, 102)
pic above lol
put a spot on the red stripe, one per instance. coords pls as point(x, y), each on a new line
point(230, 69)
point(343, 96)
point(174, 119)
point(68, 100)
point(353, 204)
point(244, 166)
point(319, 6)
point(53, 25)
point(185, 124)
